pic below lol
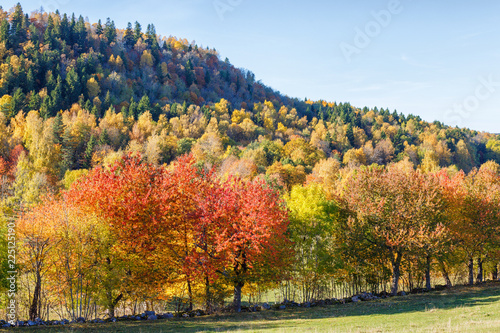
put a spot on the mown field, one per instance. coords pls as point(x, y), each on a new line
point(461, 309)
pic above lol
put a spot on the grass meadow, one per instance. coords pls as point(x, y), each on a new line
point(461, 309)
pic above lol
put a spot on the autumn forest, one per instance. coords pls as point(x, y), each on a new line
point(143, 172)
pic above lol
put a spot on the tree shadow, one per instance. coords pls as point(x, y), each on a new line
point(292, 319)
point(458, 297)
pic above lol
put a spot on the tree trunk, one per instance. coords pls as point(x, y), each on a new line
point(208, 295)
point(494, 274)
point(471, 271)
point(237, 296)
point(36, 296)
point(190, 295)
point(396, 263)
point(410, 279)
point(428, 273)
point(446, 277)
point(112, 304)
point(479, 277)
point(240, 268)
point(111, 311)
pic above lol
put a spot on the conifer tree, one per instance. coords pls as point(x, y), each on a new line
point(58, 129)
point(4, 33)
point(144, 105)
point(137, 31)
point(129, 36)
point(107, 102)
point(104, 138)
point(87, 163)
point(34, 102)
point(350, 134)
point(18, 102)
point(110, 30)
point(98, 29)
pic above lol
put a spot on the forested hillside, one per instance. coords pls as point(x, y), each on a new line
point(102, 89)
point(120, 143)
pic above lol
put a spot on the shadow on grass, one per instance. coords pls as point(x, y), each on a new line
point(459, 297)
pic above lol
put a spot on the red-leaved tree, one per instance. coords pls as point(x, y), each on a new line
point(242, 232)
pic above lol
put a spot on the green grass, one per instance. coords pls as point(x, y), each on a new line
point(475, 309)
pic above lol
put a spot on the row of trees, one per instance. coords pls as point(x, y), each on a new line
point(376, 223)
point(134, 230)
point(137, 228)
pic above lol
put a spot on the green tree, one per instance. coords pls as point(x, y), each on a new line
point(48, 34)
point(137, 31)
point(4, 32)
point(398, 142)
point(74, 88)
point(144, 105)
point(57, 102)
point(18, 26)
point(107, 102)
point(18, 102)
point(98, 29)
point(350, 134)
point(110, 30)
point(67, 152)
point(104, 138)
point(151, 37)
point(58, 128)
point(132, 109)
point(80, 34)
point(87, 163)
point(129, 36)
point(45, 107)
point(189, 73)
point(34, 102)
point(30, 80)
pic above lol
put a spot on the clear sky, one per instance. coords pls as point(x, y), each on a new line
point(436, 59)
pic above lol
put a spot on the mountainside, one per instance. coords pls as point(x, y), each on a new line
point(98, 90)
point(77, 61)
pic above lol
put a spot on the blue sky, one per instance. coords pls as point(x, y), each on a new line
point(439, 60)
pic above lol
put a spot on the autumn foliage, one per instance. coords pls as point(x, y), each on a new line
point(397, 209)
point(179, 224)
point(130, 197)
point(126, 230)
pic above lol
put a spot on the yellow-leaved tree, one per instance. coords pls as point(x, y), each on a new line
point(312, 219)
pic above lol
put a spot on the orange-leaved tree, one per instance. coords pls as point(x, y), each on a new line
point(474, 209)
point(37, 237)
point(183, 187)
point(394, 209)
point(130, 197)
